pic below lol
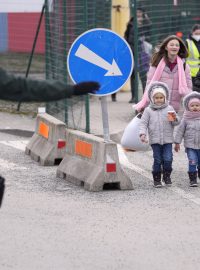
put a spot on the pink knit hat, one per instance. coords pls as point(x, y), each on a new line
point(193, 100)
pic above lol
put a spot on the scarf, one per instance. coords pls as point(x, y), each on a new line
point(188, 115)
point(158, 107)
point(183, 89)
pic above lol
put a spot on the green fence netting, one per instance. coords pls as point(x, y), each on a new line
point(164, 18)
point(65, 20)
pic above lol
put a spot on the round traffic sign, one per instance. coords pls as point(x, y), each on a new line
point(100, 55)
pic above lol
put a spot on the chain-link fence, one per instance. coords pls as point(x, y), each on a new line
point(65, 21)
point(62, 22)
point(156, 20)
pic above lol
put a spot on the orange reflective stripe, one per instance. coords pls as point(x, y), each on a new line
point(43, 130)
point(83, 148)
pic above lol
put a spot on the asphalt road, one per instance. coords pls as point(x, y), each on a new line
point(47, 223)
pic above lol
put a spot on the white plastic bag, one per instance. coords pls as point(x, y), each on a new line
point(148, 47)
point(130, 139)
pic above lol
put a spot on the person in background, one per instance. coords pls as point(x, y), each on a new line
point(143, 58)
point(2, 187)
point(144, 27)
point(13, 88)
point(193, 45)
point(196, 82)
point(189, 131)
point(159, 119)
point(168, 66)
point(144, 24)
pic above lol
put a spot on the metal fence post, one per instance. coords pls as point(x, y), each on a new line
point(33, 47)
point(87, 101)
point(65, 56)
point(134, 13)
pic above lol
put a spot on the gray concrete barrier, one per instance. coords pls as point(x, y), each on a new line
point(47, 145)
point(91, 162)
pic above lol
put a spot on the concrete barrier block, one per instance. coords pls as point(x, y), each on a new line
point(91, 162)
point(47, 145)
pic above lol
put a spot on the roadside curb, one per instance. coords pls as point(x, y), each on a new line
point(116, 137)
point(18, 132)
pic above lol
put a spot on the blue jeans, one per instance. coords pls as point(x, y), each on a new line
point(193, 159)
point(163, 156)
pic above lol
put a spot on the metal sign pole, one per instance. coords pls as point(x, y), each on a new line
point(104, 110)
point(104, 56)
point(33, 47)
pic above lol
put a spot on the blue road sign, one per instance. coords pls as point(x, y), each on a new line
point(101, 55)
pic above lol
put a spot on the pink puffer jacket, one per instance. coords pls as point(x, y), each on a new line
point(171, 79)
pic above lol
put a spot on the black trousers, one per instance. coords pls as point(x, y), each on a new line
point(143, 78)
point(195, 86)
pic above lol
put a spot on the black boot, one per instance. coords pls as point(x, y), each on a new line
point(193, 179)
point(157, 179)
point(167, 178)
point(132, 100)
point(198, 172)
point(113, 96)
point(2, 188)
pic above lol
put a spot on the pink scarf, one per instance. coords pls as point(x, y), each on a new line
point(188, 115)
point(183, 88)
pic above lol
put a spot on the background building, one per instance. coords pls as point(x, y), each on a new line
point(18, 24)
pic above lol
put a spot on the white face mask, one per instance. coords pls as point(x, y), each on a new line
point(196, 37)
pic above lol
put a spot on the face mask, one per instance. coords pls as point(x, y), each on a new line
point(196, 37)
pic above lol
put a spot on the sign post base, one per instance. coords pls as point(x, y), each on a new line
point(104, 110)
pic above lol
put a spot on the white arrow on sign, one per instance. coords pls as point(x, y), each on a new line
point(84, 53)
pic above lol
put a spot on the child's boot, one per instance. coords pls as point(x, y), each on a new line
point(167, 177)
point(2, 188)
point(199, 172)
point(193, 179)
point(157, 179)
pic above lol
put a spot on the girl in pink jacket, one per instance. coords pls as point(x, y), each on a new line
point(168, 66)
